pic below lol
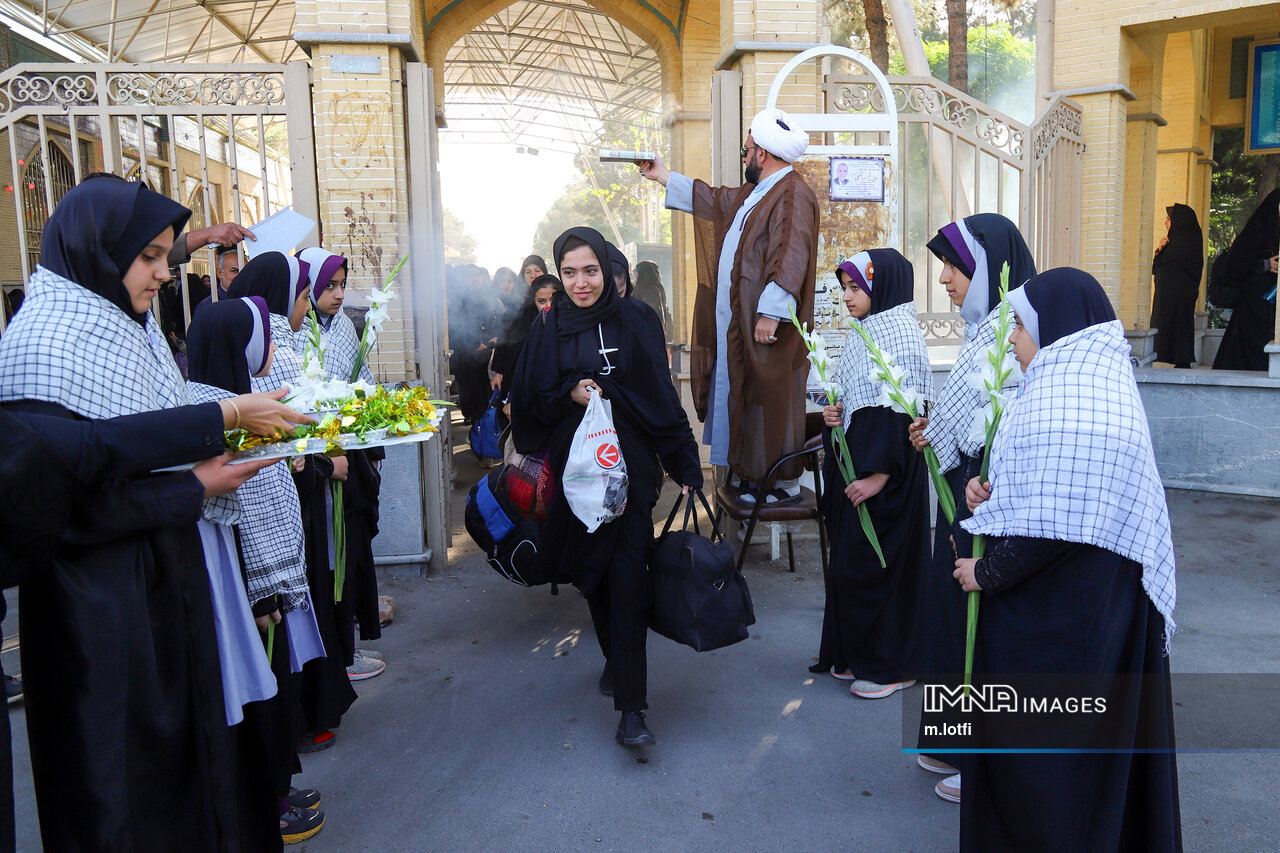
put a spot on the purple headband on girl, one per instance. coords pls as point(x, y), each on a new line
point(324, 264)
point(952, 232)
point(259, 346)
point(854, 269)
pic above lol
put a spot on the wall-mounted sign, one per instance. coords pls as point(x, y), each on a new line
point(1262, 118)
point(857, 179)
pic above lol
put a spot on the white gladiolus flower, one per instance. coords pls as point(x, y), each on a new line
point(376, 316)
point(381, 297)
point(982, 418)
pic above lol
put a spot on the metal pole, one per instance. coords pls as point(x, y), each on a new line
point(1045, 14)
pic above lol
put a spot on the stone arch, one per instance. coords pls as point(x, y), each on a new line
point(448, 21)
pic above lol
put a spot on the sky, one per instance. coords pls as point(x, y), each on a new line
point(501, 195)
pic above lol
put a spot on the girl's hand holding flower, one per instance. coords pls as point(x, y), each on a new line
point(272, 618)
point(916, 433)
point(833, 416)
point(965, 574)
point(860, 491)
point(339, 468)
point(976, 493)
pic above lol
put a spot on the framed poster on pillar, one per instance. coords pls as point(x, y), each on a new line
point(1262, 116)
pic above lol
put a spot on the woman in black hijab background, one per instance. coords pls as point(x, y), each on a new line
point(1250, 269)
point(474, 321)
point(649, 290)
point(1176, 268)
point(601, 340)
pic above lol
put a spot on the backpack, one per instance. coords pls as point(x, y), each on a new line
point(510, 540)
point(484, 433)
point(1218, 291)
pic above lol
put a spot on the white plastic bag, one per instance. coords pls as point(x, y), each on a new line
point(595, 477)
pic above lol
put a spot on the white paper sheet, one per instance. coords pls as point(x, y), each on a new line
point(282, 231)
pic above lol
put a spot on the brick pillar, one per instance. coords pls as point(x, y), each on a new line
point(357, 61)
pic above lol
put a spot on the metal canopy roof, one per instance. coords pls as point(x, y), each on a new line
point(551, 74)
point(164, 30)
point(543, 73)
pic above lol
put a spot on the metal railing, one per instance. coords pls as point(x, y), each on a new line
point(961, 156)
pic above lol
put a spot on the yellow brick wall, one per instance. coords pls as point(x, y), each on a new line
point(361, 170)
point(1175, 56)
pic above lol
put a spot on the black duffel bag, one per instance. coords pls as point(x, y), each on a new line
point(700, 599)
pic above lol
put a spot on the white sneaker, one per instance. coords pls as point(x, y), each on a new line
point(949, 788)
point(363, 667)
point(864, 689)
point(369, 653)
point(935, 766)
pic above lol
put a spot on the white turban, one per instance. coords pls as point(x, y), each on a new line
point(775, 132)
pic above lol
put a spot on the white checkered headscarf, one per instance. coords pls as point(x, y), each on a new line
point(270, 527)
point(897, 332)
point(71, 347)
point(1072, 461)
point(951, 419)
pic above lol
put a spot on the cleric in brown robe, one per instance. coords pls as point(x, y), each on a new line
point(757, 259)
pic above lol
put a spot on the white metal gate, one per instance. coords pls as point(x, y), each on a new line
point(993, 163)
point(232, 142)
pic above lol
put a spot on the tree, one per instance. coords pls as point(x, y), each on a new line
point(958, 44)
point(459, 246)
point(1002, 68)
point(857, 24)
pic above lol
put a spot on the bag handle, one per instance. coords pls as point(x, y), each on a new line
point(689, 510)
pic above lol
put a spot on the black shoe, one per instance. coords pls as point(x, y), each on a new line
point(300, 824)
point(606, 679)
point(303, 798)
point(632, 731)
point(13, 688)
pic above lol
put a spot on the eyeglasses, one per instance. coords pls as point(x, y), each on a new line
point(742, 152)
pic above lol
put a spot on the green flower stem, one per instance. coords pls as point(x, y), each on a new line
point(945, 499)
point(997, 358)
point(339, 540)
point(843, 460)
point(271, 638)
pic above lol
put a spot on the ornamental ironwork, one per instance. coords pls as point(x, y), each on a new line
point(971, 118)
point(28, 87)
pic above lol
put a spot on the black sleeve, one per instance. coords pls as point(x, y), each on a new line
point(677, 449)
point(128, 446)
point(113, 506)
point(123, 507)
point(1013, 559)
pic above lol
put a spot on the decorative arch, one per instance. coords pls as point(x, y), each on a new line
point(58, 176)
point(447, 21)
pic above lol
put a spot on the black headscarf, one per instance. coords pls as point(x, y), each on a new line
point(1065, 301)
point(533, 259)
point(893, 280)
point(267, 275)
point(217, 342)
point(515, 299)
point(572, 319)
point(99, 229)
point(621, 267)
point(1001, 241)
point(1186, 240)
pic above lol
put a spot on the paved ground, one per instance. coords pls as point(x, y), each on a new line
point(487, 733)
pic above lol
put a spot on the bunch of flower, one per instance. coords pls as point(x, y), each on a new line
point(821, 363)
point(999, 367)
point(375, 317)
point(907, 401)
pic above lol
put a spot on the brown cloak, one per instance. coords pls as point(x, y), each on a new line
point(766, 383)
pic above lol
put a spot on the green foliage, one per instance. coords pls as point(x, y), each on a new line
point(456, 239)
point(1002, 67)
